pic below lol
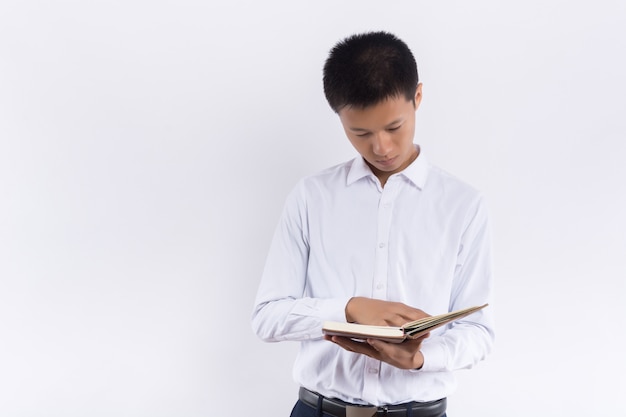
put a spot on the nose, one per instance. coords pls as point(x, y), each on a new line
point(382, 144)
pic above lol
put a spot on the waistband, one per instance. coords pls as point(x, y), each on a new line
point(340, 408)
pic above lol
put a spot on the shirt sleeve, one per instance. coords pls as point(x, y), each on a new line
point(469, 340)
point(282, 311)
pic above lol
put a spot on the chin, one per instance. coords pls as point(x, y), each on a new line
point(388, 168)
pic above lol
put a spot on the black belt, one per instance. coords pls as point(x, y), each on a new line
point(340, 408)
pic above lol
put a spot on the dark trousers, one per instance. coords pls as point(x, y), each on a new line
point(303, 410)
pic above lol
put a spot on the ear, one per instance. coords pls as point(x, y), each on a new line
point(418, 95)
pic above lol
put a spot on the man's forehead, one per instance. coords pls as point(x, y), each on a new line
point(385, 113)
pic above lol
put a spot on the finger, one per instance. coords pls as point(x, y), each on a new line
point(342, 342)
point(378, 345)
point(352, 346)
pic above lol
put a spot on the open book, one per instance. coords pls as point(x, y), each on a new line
point(410, 330)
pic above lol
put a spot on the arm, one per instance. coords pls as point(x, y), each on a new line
point(469, 340)
point(282, 311)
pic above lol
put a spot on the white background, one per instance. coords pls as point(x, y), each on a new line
point(146, 148)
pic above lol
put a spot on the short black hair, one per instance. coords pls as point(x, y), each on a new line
point(367, 68)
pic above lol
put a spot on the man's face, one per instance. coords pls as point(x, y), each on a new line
point(383, 133)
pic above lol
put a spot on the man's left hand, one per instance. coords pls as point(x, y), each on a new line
point(405, 355)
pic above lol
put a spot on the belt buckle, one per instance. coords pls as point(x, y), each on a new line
point(361, 411)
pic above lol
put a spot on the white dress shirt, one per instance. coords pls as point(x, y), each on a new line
point(422, 240)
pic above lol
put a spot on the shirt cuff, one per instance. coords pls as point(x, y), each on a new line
point(434, 357)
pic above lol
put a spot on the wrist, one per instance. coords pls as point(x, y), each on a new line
point(354, 308)
point(418, 360)
point(349, 318)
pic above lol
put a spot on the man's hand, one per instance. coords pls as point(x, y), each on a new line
point(405, 355)
point(381, 313)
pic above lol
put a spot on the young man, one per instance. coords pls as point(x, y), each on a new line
point(380, 240)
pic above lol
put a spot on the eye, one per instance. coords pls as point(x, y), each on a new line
point(363, 135)
point(392, 129)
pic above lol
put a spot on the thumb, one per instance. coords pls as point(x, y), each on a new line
point(379, 345)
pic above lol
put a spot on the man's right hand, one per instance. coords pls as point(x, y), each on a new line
point(364, 310)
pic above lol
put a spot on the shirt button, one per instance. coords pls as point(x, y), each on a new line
point(381, 245)
point(379, 286)
point(372, 370)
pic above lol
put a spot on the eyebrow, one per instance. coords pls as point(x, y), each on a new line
point(360, 129)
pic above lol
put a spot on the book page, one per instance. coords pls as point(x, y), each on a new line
point(412, 329)
point(363, 331)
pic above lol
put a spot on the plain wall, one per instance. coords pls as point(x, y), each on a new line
point(146, 149)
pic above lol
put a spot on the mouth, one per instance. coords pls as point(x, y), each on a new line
point(386, 162)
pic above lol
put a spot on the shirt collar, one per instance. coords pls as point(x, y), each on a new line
point(417, 172)
point(358, 169)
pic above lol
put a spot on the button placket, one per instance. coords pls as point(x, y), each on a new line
point(371, 380)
